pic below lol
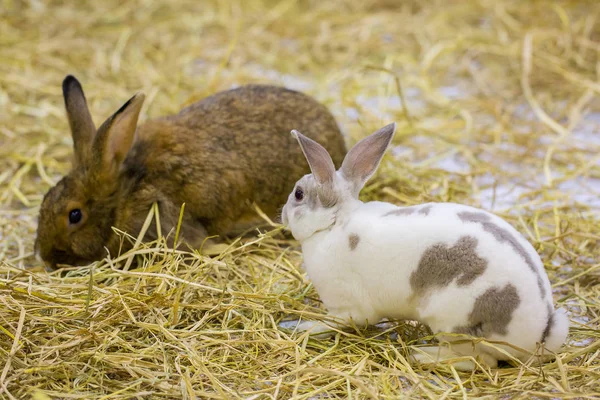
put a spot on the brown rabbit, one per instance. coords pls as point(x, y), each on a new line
point(218, 156)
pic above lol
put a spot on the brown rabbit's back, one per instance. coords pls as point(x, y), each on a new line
point(224, 152)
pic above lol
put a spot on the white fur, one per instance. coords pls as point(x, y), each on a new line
point(372, 281)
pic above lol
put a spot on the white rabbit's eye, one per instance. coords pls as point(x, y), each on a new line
point(299, 194)
point(75, 216)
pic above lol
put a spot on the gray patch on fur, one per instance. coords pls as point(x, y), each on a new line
point(504, 236)
point(425, 209)
point(492, 312)
point(353, 240)
point(409, 210)
point(312, 200)
point(400, 211)
point(440, 265)
point(327, 196)
point(469, 216)
point(549, 324)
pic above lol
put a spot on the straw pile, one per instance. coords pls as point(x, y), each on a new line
point(497, 106)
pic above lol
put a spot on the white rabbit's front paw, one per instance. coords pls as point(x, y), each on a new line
point(317, 329)
point(437, 354)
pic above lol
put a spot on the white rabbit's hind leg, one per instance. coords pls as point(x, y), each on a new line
point(461, 360)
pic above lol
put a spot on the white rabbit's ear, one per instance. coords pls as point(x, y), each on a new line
point(80, 119)
point(362, 160)
point(318, 158)
point(116, 135)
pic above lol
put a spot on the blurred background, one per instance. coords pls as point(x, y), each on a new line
point(496, 102)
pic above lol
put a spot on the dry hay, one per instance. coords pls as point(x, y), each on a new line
point(497, 106)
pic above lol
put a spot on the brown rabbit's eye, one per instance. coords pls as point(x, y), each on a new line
point(299, 194)
point(75, 216)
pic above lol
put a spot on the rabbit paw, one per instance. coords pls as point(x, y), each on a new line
point(315, 328)
point(437, 354)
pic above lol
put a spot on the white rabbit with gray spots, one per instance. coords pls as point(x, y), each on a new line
point(455, 268)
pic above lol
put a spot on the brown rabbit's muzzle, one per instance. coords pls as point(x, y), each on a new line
point(53, 257)
point(58, 250)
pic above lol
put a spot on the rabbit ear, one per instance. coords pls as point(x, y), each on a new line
point(318, 158)
point(116, 135)
point(80, 120)
point(362, 160)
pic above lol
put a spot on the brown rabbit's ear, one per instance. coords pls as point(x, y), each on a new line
point(116, 135)
point(362, 160)
point(80, 120)
point(318, 158)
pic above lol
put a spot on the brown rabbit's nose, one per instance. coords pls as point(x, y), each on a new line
point(50, 266)
point(47, 264)
point(51, 257)
point(60, 256)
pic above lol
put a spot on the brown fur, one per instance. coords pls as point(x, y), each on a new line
point(218, 156)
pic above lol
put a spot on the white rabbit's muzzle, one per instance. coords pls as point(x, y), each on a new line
point(284, 217)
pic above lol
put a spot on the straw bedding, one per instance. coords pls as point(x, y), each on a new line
point(497, 106)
